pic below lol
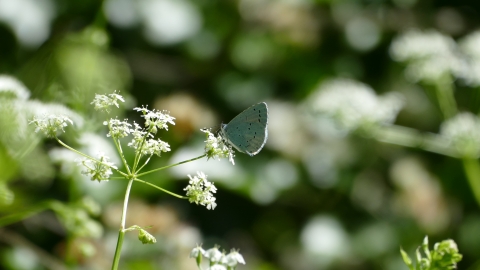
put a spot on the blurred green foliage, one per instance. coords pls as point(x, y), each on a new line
point(317, 197)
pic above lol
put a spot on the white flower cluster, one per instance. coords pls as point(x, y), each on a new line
point(463, 132)
point(104, 102)
point(218, 260)
point(431, 55)
point(155, 120)
point(13, 87)
point(470, 47)
point(118, 129)
point(98, 170)
point(216, 147)
point(199, 191)
point(355, 105)
point(142, 142)
point(51, 124)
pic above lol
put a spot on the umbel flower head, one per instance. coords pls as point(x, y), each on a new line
point(98, 170)
point(216, 148)
point(104, 102)
point(155, 120)
point(51, 124)
point(355, 105)
point(144, 143)
point(218, 259)
point(463, 132)
point(199, 191)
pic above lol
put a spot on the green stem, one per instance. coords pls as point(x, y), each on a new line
point(13, 218)
point(410, 137)
point(446, 98)
point(121, 232)
point(119, 149)
point(89, 157)
point(157, 187)
point(138, 154)
point(116, 259)
point(472, 170)
point(146, 162)
point(169, 166)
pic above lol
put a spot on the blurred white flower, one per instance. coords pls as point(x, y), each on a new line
point(213, 254)
point(354, 104)
point(362, 34)
point(233, 258)
point(324, 240)
point(463, 131)
point(416, 44)
point(9, 84)
point(35, 107)
point(29, 19)
point(51, 124)
point(430, 55)
point(197, 251)
point(470, 47)
point(169, 21)
point(165, 22)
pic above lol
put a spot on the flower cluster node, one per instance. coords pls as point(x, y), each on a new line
point(218, 259)
point(463, 132)
point(217, 148)
point(155, 120)
point(98, 170)
point(104, 102)
point(51, 124)
point(199, 191)
point(118, 129)
point(355, 105)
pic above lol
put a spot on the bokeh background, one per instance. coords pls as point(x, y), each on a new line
point(373, 130)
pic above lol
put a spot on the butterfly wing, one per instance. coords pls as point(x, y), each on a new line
point(247, 132)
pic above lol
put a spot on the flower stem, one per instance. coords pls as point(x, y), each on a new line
point(116, 141)
point(410, 137)
point(472, 171)
point(157, 187)
point(145, 163)
point(445, 96)
point(13, 218)
point(121, 232)
point(173, 165)
point(87, 156)
point(138, 154)
point(116, 259)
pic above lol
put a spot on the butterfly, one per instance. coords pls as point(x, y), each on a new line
point(247, 131)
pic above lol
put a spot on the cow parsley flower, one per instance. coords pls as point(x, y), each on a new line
point(118, 129)
point(98, 170)
point(51, 124)
point(200, 191)
point(218, 259)
point(216, 148)
point(355, 105)
point(463, 131)
point(104, 102)
point(155, 120)
point(429, 55)
point(233, 258)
